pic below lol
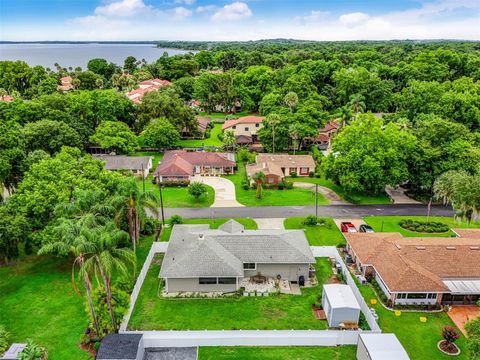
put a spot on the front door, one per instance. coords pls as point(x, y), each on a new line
point(293, 277)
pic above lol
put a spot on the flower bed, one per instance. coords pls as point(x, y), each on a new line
point(448, 348)
point(423, 226)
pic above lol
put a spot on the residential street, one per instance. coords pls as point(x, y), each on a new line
point(336, 211)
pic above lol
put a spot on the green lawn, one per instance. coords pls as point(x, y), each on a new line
point(222, 116)
point(37, 301)
point(354, 198)
point(419, 339)
point(272, 197)
point(213, 140)
point(276, 353)
point(323, 235)
point(236, 312)
point(390, 224)
point(249, 224)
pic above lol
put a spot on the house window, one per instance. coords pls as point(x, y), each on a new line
point(234, 127)
point(270, 180)
point(249, 266)
point(257, 125)
point(207, 281)
point(292, 170)
point(227, 280)
point(304, 171)
point(416, 296)
point(402, 296)
point(432, 296)
point(247, 129)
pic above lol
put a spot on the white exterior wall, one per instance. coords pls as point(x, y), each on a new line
point(362, 353)
point(141, 350)
point(192, 285)
point(382, 286)
point(340, 315)
point(416, 301)
point(240, 129)
point(290, 272)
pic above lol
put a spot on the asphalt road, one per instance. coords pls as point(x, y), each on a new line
point(335, 211)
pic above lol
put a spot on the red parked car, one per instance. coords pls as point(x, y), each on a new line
point(348, 227)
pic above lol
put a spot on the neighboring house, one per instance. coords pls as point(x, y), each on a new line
point(144, 87)
point(245, 128)
point(66, 84)
point(277, 166)
point(135, 164)
point(203, 124)
point(6, 98)
point(340, 305)
point(200, 259)
point(179, 165)
point(420, 271)
point(325, 134)
point(380, 347)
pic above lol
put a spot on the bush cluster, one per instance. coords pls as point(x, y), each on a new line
point(379, 291)
point(423, 226)
point(180, 183)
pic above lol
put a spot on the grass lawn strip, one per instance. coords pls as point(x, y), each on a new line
point(391, 224)
point(320, 235)
point(278, 352)
point(231, 313)
point(213, 140)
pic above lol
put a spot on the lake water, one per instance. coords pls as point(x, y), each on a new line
point(79, 54)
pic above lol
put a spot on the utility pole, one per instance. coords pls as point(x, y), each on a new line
point(316, 200)
point(143, 179)
point(161, 200)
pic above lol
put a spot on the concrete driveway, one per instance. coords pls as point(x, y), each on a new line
point(355, 221)
point(331, 195)
point(224, 190)
point(398, 196)
point(270, 223)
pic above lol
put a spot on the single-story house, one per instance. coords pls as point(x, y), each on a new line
point(121, 347)
point(245, 126)
point(200, 259)
point(340, 305)
point(179, 165)
point(135, 164)
point(66, 84)
point(203, 123)
point(277, 166)
point(144, 87)
point(380, 347)
point(420, 271)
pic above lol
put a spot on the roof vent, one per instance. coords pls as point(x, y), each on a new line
point(451, 248)
point(474, 247)
point(201, 237)
point(420, 247)
point(398, 246)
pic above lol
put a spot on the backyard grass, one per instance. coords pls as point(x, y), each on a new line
point(37, 302)
point(236, 312)
point(271, 197)
point(275, 353)
point(212, 140)
point(390, 224)
point(319, 235)
point(419, 339)
point(222, 116)
point(249, 224)
point(354, 198)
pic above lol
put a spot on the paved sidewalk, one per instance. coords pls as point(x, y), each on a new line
point(270, 223)
point(224, 190)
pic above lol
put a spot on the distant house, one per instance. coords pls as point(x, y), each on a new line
point(200, 259)
point(420, 271)
point(179, 165)
point(325, 134)
point(144, 87)
point(66, 84)
point(203, 124)
point(245, 128)
point(135, 164)
point(277, 166)
point(6, 98)
point(340, 305)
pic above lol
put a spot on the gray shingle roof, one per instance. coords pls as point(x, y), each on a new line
point(117, 162)
point(119, 346)
point(196, 250)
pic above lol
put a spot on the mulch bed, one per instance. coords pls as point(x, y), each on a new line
point(318, 313)
point(448, 348)
point(88, 348)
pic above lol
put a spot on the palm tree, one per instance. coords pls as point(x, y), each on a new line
point(345, 114)
point(259, 178)
point(294, 132)
point(131, 204)
point(357, 103)
point(273, 120)
point(72, 237)
point(230, 140)
point(89, 207)
point(108, 258)
point(291, 100)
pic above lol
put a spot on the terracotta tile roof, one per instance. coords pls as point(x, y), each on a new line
point(418, 264)
point(243, 120)
point(244, 139)
point(6, 98)
point(145, 87)
point(181, 162)
point(203, 123)
point(331, 125)
point(286, 160)
point(467, 232)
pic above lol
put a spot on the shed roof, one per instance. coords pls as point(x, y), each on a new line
point(340, 296)
point(384, 346)
point(117, 162)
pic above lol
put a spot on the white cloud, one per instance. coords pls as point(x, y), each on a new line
point(186, 2)
point(353, 19)
point(234, 11)
point(314, 16)
point(181, 12)
point(206, 9)
point(123, 8)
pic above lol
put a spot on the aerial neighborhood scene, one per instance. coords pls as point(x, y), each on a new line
point(223, 180)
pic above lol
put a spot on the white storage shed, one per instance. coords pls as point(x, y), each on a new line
point(380, 347)
point(340, 304)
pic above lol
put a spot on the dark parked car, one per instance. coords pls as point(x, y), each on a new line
point(348, 227)
point(366, 228)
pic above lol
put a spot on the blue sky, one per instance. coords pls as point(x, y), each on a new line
point(238, 20)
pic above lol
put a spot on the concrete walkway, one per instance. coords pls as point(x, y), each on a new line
point(224, 190)
point(329, 194)
point(398, 196)
point(270, 223)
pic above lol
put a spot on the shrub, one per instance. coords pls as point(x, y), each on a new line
point(4, 336)
point(310, 220)
point(423, 226)
point(243, 154)
point(450, 334)
point(311, 174)
point(33, 352)
point(172, 183)
point(175, 219)
point(259, 193)
point(96, 345)
point(288, 184)
point(197, 189)
point(281, 185)
point(150, 226)
point(245, 185)
point(294, 174)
